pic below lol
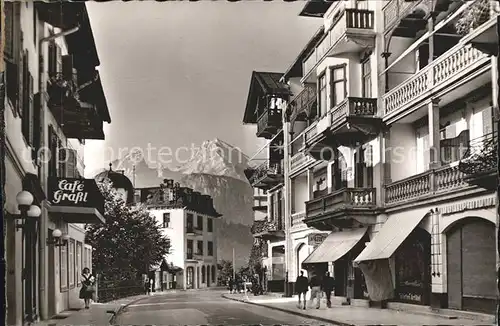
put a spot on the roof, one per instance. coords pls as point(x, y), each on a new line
point(316, 8)
point(295, 70)
point(263, 83)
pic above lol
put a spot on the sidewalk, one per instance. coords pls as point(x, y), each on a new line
point(97, 315)
point(351, 315)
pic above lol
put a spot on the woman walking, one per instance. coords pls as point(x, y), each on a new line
point(88, 287)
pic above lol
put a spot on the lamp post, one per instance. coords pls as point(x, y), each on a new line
point(58, 239)
point(29, 214)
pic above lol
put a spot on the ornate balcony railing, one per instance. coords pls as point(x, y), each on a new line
point(347, 198)
point(60, 90)
point(354, 106)
point(481, 155)
point(348, 19)
point(437, 74)
point(264, 169)
point(303, 103)
point(395, 10)
point(424, 185)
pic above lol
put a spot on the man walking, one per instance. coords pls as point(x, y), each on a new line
point(328, 285)
point(301, 285)
point(315, 284)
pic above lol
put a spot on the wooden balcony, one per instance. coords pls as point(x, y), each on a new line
point(265, 176)
point(77, 119)
point(304, 105)
point(482, 31)
point(341, 208)
point(451, 67)
point(269, 123)
point(353, 121)
point(399, 16)
point(353, 31)
point(299, 162)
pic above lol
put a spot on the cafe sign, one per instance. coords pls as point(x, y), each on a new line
point(315, 239)
point(75, 192)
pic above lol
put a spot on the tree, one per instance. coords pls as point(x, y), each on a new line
point(225, 271)
point(128, 242)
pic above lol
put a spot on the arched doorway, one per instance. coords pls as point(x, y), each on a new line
point(189, 277)
point(470, 265)
point(302, 253)
point(413, 268)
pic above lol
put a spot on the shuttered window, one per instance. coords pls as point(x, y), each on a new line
point(53, 146)
point(52, 59)
point(71, 163)
point(27, 101)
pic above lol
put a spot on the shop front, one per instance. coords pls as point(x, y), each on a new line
point(335, 254)
point(396, 263)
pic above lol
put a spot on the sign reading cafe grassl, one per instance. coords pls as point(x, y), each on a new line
point(74, 192)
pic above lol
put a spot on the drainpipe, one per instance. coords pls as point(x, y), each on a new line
point(43, 253)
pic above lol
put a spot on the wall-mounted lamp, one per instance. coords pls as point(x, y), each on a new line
point(28, 211)
point(58, 239)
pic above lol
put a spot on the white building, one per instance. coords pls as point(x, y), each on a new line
point(189, 219)
point(46, 57)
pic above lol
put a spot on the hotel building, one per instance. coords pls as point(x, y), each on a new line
point(54, 102)
point(189, 220)
point(390, 152)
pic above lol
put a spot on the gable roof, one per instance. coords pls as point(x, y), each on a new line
point(267, 83)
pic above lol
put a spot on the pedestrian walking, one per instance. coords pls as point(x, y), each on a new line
point(328, 286)
point(315, 285)
point(88, 287)
point(301, 285)
point(147, 288)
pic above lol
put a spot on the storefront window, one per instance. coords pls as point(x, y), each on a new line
point(71, 263)
point(63, 268)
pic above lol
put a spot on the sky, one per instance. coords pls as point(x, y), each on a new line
point(178, 73)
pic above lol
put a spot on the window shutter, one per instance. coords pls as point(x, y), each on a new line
point(67, 67)
point(487, 121)
point(21, 83)
point(9, 29)
point(71, 164)
point(37, 125)
point(12, 72)
point(58, 59)
point(53, 152)
point(61, 159)
point(31, 110)
point(52, 58)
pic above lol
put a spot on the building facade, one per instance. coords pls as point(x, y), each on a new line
point(189, 219)
point(390, 152)
point(54, 101)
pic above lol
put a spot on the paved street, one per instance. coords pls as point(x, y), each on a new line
point(201, 308)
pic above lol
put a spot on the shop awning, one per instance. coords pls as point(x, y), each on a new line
point(392, 234)
point(335, 246)
point(84, 215)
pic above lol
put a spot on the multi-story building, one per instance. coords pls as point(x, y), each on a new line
point(263, 109)
point(390, 152)
point(189, 219)
point(54, 101)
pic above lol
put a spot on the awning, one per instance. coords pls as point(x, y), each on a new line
point(392, 234)
point(84, 215)
point(335, 246)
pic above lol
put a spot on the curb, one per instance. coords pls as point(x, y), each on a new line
point(117, 311)
point(297, 313)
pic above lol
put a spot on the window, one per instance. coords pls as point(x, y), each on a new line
point(63, 267)
point(189, 249)
point(27, 101)
point(323, 103)
point(199, 223)
point(71, 263)
point(213, 273)
point(189, 222)
point(210, 225)
point(203, 274)
point(78, 264)
point(52, 59)
point(366, 78)
point(338, 85)
point(56, 163)
point(166, 220)
point(210, 248)
point(423, 152)
point(199, 247)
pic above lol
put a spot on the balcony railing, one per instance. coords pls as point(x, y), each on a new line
point(347, 198)
point(396, 10)
point(299, 161)
point(193, 230)
point(269, 123)
point(427, 184)
point(303, 103)
point(355, 107)
point(349, 19)
point(481, 155)
point(265, 169)
point(440, 73)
